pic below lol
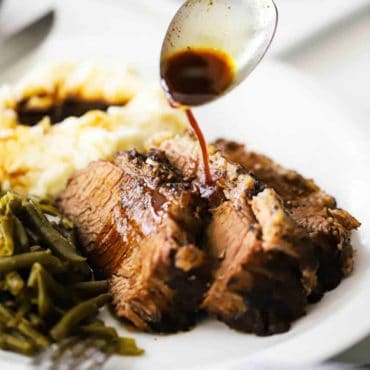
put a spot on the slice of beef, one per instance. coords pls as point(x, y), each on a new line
point(263, 262)
point(139, 221)
point(328, 226)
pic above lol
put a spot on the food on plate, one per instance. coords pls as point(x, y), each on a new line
point(265, 264)
point(47, 290)
point(62, 117)
point(60, 90)
point(253, 247)
point(329, 227)
point(308, 210)
point(140, 221)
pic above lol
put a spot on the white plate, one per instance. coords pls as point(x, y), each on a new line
point(277, 111)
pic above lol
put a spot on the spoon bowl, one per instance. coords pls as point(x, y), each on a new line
point(241, 29)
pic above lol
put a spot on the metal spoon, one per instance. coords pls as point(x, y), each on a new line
point(243, 29)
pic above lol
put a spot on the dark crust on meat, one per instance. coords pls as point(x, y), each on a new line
point(328, 226)
point(263, 263)
point(139, 222)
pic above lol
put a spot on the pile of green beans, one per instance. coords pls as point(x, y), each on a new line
point(47, 289)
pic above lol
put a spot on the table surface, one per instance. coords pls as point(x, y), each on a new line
point(327, 39)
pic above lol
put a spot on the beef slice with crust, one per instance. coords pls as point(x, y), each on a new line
point(329, 227)
point(263, 265)
point(139, 221)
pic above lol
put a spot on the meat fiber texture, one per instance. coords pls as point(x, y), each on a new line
point(138, 222)
point(263, 263)
point(329, 227)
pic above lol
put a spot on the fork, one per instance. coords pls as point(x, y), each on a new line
point(73, 354)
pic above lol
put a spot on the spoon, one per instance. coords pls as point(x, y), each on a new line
point(209, 48)
point(241, 30)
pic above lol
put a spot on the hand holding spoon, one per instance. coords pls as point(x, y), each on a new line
point(210, 47)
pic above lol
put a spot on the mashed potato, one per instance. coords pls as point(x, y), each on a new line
point(38, 160)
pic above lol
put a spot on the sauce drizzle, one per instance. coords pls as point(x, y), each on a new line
point(203, 145)
point(193, 77)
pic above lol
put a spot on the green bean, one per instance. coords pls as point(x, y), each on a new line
point(83, 271)
point(69, 234)
point(22, 242)
point(6, 316)
point(33, 238)
point(52, 285)
point(10, 203)
point(6, 236)
point(26, 260)
point(49, 210)
point(66, 223)
point(36, 248)
point(23, 305)
point(39, 339)
point(100, 330)
point(52, 288)
point(127, 347)
point(76, 315)
point(35, 320)
point(12, 343)
point(14, 282)
point(91, 288)
point(50, 236)
point(45, 305)
point(36, 239)
point(9, 319)
point(37, 280)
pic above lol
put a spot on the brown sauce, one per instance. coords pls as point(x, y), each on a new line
point(58, 111)
point(194, 77)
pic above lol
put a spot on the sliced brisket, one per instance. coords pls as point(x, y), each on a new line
point(328, 226)
point(138, 221)
point(250, 250)
point(263, 262)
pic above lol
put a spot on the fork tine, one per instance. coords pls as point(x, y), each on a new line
point(62, 347)
point(43, 358)
point(63, 358)
point(100, 361)
point(81, 355)
point(90, 357)
point(74, 354)
point(47, 359)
